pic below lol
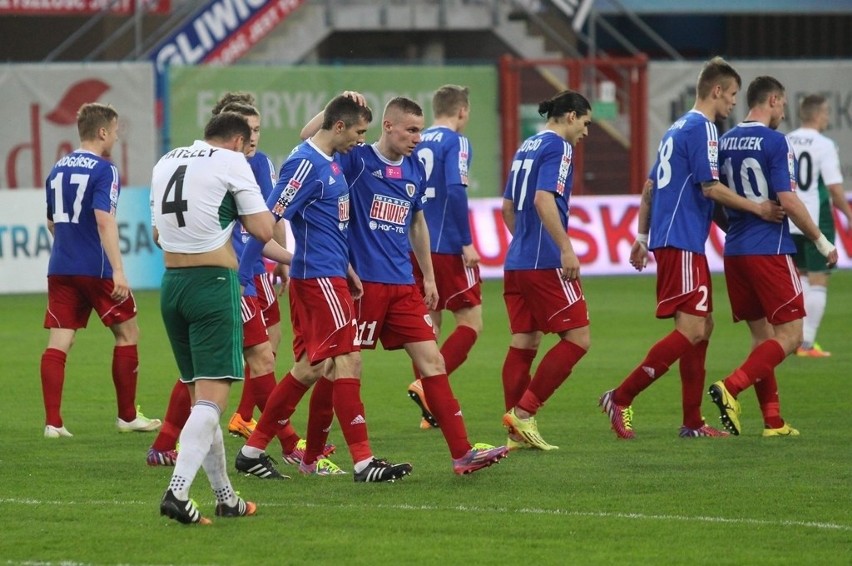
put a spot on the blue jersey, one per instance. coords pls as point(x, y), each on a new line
point(544, 162)
point(446, 157)
point(313, 195)
point(759, 163)
point(687, 157)
point(384, 196)
point(264, 174)
point(80, 183)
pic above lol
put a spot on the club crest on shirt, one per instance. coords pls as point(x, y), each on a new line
point(410, 189)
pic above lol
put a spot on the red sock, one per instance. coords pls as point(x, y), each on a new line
point(552, 371)
point(320, 417)
point(176, 415)
point(279, 407)
point(657, 362)
point(52, 380)
point(758, 365)
point(446, 409)
point(125, 367)
point(457, 346)
point(346, 398)
point(261, 389)
point(246, 406)
point(288, 437)
point(692, 375)
point(516, 374)
point(766, 390)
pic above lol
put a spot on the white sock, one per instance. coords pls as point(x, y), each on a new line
point(806, 284)
point(815, 307)
point(362, 465)
point(217, 471)
point(251, 451)
point(196, 439)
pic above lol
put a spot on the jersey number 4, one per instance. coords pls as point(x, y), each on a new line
point(176, 205)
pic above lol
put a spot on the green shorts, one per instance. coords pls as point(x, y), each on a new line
point(807, 256)
point(201, 312)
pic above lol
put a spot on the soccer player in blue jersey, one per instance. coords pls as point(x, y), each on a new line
point(313, 195)
point(85, 271)
point(387, 192)
point(446, 155)
point(679, 196)
point(541, 280)
point(763, 285)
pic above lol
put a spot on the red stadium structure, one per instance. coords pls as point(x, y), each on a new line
point(612, 159)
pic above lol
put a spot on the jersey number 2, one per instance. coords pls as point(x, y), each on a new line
point(177, 205)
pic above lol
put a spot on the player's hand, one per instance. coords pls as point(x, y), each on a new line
point(282, 272)
point(120, 286)
point(831, 259)
point(356, 288)
point(470, 256)
point(430, 294)
point(771, 211)
point(356, 96)
point(639, 255)
point(570, 265)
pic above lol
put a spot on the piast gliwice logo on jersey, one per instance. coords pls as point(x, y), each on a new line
point(389, 209)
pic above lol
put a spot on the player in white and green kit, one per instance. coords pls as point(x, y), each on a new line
point(820, 185)
point(197, 193)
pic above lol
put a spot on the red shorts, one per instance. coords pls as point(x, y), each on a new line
point(254, 330)
point(683, 283)
point(538, 300)
point(459, 286)
point(323, 318)
point(267, 298)
point(764, 286)
point(71, 298)
point(394, 314)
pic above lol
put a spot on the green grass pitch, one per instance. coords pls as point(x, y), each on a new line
point(659, 499)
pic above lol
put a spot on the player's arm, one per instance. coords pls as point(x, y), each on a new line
point(50, 227)
point(838, 199)
point(639, 250)
point(767, 210)
point(282, 270)
point(108, 233)
point(509, 215)
point(545, 205)
point(356, 288)
point(798, 214)
point(278, 253)
point(418, 236)
point(459, 209)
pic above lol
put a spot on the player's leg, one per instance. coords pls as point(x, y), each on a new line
point(163, 452)
point(52, 369)
point(68, 310)
point(815, 301)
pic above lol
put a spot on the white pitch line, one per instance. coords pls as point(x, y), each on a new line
point(499, 510)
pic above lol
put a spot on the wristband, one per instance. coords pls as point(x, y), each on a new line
point(642, 239)
point(823, 246)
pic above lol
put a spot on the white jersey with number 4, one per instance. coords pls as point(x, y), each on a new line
point(819, 167)
point(197, 193)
